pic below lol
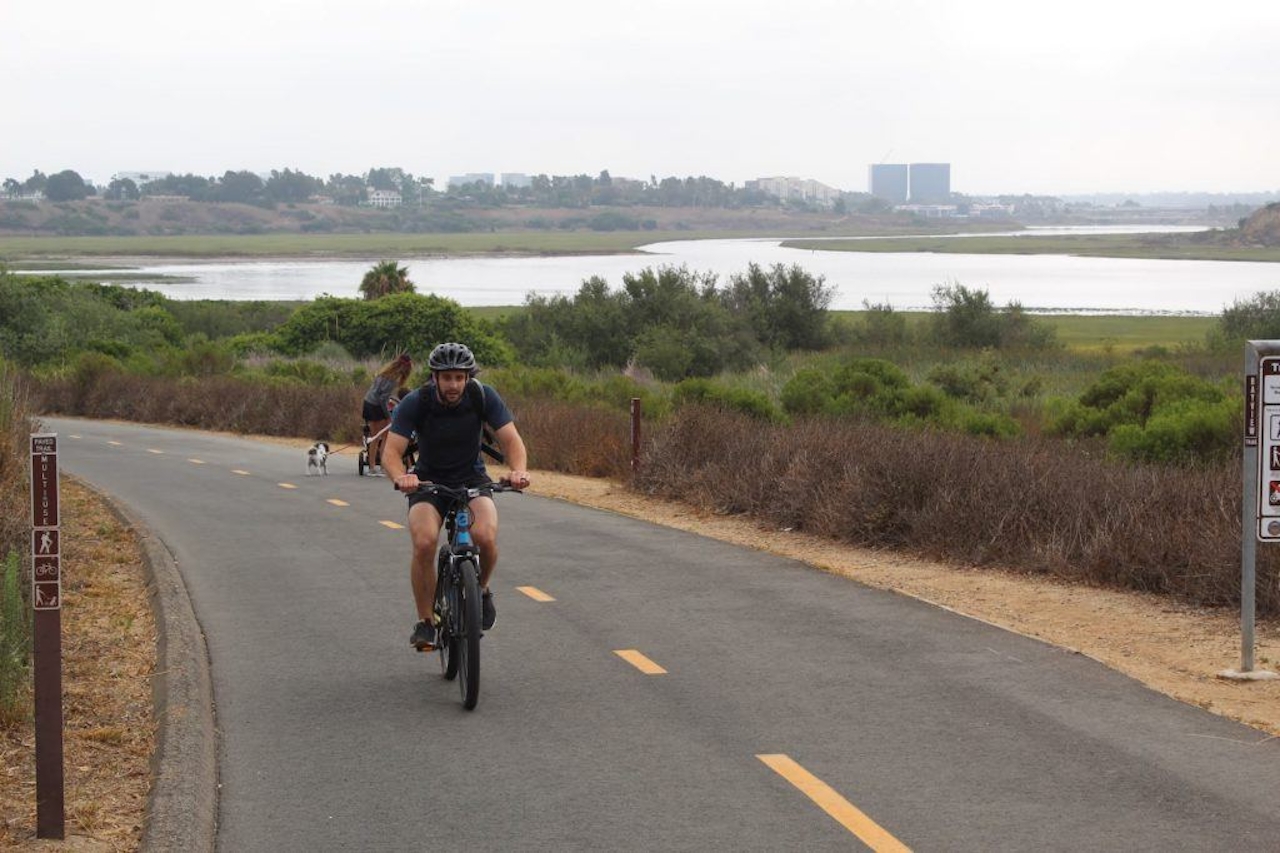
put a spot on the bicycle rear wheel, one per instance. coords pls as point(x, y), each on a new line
point(468, 636)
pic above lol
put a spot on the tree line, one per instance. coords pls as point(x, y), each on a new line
point(292, 186)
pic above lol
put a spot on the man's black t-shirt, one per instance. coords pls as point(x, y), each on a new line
point(449, 441)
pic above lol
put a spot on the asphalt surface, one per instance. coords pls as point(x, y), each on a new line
point(890, 722)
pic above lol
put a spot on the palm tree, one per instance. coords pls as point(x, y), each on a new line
point(385, 278)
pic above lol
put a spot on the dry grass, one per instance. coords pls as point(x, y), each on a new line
point(109, 649)
point(598, 446)
point(216, 403)
point(1044, 506)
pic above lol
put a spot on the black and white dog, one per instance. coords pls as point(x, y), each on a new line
point(317, 459)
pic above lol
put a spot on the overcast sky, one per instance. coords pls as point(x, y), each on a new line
point(1087, 96)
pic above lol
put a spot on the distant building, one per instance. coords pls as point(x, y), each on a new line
point(930, 211)
point(888, 181)
point(930, 183)
point(796, 189)
point(990, 210)
point(384, 198)
point(485, 178)
point(516, 179)
point(140, 178)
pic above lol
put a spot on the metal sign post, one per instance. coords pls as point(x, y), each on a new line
point(1260, 509)
point(46, 600)
point(635, 434)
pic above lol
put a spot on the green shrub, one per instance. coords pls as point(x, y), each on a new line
point(809, 392)
point(974, 382)
point(1131, 394)
point(743, 400)
point(205, 358)
point(1155, 412)
point(967, 319)
point(989, 424)
point(1182, 432)
point(921, 403)
point(1256, 318)
point(849, 376)
point(304, 371)
point(15, 640)
point(89, 367)
point(881, 326)
point(402, 321)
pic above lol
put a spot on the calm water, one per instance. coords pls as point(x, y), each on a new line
point(905, 281)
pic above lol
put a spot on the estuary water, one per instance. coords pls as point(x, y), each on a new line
point(1042, 283)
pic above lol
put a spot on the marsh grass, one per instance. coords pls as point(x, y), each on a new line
point(1171, 246)
point(336, 245)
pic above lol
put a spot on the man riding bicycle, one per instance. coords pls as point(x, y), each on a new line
point(448, 417)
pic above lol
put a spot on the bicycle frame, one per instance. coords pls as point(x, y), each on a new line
point(457, 600)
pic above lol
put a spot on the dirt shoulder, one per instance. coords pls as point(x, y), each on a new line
point(108, 662)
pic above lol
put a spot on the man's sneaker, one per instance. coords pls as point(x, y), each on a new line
point(487, 614)
point(424, 636)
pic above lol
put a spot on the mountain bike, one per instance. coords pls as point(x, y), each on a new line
point(457, 604)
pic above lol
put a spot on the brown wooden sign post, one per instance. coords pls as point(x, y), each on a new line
point(635, 434)
point(46, 599)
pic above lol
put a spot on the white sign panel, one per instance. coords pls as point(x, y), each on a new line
point(1269, 450)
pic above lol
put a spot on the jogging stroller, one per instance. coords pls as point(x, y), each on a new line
point(364, 463)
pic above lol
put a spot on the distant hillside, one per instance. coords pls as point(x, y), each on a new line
point(1262, 227)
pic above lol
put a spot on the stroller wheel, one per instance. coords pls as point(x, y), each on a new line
point(362, 462)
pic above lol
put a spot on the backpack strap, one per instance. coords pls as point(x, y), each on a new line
point(487, 438)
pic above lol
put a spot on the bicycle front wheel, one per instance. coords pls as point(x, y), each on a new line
point(468, 637)
point(447, 629)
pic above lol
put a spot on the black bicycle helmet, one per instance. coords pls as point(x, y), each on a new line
point(452, 356)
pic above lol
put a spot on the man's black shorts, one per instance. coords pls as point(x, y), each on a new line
point(441, 502)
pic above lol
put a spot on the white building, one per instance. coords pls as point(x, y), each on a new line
point(384, 198)
point(796, 189)
point(516, 179)
point(929, 211)
point(140, 178)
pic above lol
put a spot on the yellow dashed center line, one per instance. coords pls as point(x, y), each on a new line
point(73, 435)
point(845, 812)
point(392, 525)
point(640, 662)
point(115, 444)
point(238, 471)
point(337, 502)
point(156, 452)
point(196, 461)
point(535, 593)
point(286, 485)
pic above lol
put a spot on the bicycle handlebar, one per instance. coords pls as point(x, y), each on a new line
point(463, 491)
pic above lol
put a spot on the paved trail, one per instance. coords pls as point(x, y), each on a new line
point(759, 705)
